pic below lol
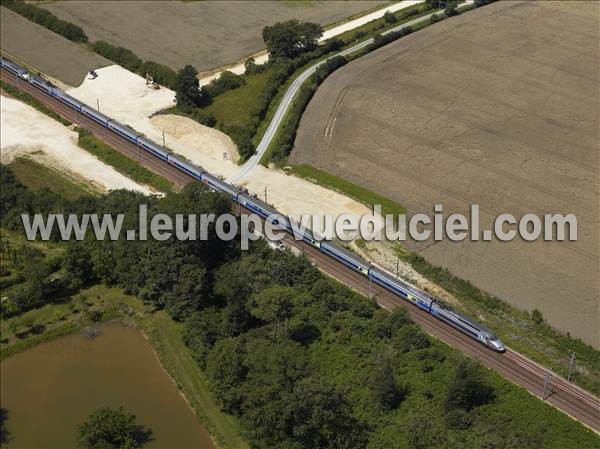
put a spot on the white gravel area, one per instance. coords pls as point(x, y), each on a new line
point(124, 96)
point(294, 196)
point(26, 131)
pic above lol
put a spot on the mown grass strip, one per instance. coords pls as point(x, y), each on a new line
point(122, 163)
point(176, 358)
point(355, 192)
point(33, 102)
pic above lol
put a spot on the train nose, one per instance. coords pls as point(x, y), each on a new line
point(498, 346)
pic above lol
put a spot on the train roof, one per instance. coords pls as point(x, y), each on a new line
point(93, 111)
point(262, 204)
point(229, 188)
point(346, 253)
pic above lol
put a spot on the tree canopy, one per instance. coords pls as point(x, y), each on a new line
point(187, 89)
point(289, 39)
point(111, 428)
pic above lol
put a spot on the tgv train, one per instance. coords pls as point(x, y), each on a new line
point(417, 297)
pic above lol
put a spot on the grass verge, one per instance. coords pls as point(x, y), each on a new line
point(38, 177)
point(33, 102)
point(355, 192)
point(122, 163)
point(166, 338)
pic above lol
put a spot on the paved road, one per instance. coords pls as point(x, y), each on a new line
point(293, 90)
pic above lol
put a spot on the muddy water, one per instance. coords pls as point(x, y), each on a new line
point(52, 387)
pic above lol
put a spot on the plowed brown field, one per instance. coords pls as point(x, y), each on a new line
point(498, 107)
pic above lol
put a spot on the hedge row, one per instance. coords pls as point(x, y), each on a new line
point(226, 81)
point(46, 19)
point(129, 60)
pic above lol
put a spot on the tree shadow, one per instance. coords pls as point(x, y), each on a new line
point(143, 435)
point(4, 433)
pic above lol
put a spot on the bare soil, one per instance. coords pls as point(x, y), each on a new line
point(498, 107)
point(205, 34)
point(34, 45)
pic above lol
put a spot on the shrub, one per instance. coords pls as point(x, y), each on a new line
point(537, 317)
point(389, 17)
point(284, 141)
point(126, 58)
point(451, 8)
point(204, 117)
point(242, 137)
point(227, 81)
point(435, 18)
point(160, 73)
point(383, 39)
point(120, 55)
point(327, 68)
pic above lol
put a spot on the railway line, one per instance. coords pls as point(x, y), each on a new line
point(563, 395)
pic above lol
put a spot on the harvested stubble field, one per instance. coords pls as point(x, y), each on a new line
point(498, 107)
point(205, 34)
point(46, 51)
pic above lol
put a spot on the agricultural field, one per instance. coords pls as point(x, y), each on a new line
point(206, 35)
point(40, 48)
point(497, 107)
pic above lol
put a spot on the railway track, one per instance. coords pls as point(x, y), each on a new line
point(515, 367)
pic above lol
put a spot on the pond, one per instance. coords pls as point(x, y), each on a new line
point(51, 388)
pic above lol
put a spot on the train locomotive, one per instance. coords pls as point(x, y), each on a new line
point(403, 289)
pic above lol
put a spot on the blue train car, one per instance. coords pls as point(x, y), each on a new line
point(185, 167)
point(153, 148)
point(68, 100)
point(95, 115)
point(265, 211)
point(346, 257)
point(219, 185)
point(123, 131)
point(41, 83)
point(390, 283)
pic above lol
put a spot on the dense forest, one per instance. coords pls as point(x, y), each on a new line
point(301, 361)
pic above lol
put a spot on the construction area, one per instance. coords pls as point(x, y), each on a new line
point(498, 108)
